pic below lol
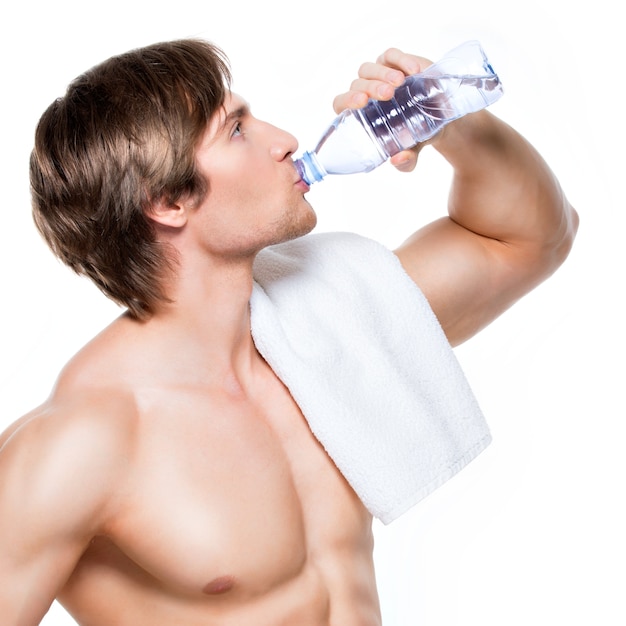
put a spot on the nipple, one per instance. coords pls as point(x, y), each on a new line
point(219, 585)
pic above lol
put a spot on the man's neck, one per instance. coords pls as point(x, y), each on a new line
point(208, 321)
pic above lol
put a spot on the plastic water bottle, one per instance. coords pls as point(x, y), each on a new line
point(359, 140)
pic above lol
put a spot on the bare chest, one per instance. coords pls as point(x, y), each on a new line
point(229, 496)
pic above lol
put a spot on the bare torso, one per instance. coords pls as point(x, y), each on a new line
point(229, 512)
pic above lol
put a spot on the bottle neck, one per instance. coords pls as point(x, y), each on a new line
point(310, 169)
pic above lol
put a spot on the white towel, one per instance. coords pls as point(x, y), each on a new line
point(359, 348)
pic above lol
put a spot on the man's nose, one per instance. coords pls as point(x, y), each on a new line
point(283, 144)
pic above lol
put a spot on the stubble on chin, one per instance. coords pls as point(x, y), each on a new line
point(294, 224)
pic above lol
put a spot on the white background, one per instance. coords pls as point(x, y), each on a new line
point(532, 532)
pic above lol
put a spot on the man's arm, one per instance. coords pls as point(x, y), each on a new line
point(509, 225)
point(56, 474)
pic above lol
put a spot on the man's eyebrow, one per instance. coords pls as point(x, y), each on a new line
point(235, 114)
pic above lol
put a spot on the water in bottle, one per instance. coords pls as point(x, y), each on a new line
point(359, 140)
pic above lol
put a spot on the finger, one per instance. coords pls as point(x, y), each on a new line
point(382, 73)
point(362, 89)
point(406, 160)
point(407, 63)
point(379, 80)
point(350, 100)
point(377, 89)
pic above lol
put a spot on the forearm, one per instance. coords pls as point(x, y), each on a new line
point(509, 226)
point(502, 188)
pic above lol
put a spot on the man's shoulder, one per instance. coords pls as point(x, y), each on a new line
point(69, 454)
point(62, 464)
point(75, 420)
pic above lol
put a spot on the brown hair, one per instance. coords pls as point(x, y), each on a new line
point(121, 137)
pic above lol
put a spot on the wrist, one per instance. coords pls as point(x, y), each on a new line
point(465, 138)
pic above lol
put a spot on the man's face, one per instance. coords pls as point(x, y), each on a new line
point(255, 196)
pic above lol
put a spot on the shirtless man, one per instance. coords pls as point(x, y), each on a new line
point(170, 478)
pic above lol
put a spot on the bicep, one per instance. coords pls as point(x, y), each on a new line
point(468, 279)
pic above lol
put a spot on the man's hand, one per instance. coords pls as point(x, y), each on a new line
point(509, 225)
point(378, 81)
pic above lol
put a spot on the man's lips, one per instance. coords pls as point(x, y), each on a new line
point(302, 185)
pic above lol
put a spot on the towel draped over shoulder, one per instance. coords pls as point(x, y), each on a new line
point(356, 343)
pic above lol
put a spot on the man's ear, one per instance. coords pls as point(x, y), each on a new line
point(167, 213)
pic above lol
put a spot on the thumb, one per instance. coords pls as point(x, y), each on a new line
point(406, 160)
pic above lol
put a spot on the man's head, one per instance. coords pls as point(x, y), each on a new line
point(121, 138)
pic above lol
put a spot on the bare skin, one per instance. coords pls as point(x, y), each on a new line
point(170, 478)
point(208, 502)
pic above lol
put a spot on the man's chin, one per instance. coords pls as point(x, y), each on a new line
point(299, 228)
point(305, 228)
